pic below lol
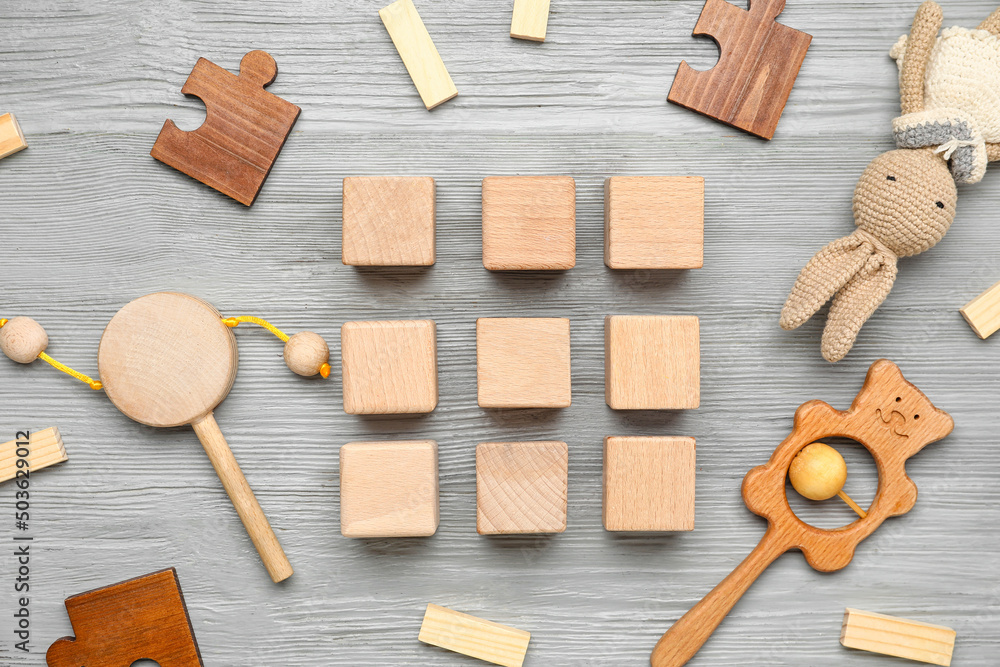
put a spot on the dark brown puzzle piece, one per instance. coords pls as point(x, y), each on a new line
point(142, 618)
point(758, 62)
point(245, 127)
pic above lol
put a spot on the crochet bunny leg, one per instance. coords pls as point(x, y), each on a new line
point(855, 303)
point(992, 23)
point(828, 271)
point(926, 24)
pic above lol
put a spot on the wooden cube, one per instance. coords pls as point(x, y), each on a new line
point(388, 221)
point(523, 362)
point(11, 137)
point(389, 367)
point(983, 312)
point(652, 362)
point(649, 484)
point(654, 222)
point(529, 223)
point(389, 489)
point(521, 487)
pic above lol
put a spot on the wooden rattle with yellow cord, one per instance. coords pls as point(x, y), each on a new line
point(169, 359)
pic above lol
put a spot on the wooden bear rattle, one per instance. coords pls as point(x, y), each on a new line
point(894, 421)
point(169, 359)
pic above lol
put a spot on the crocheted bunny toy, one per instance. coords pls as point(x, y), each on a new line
point(905, 200)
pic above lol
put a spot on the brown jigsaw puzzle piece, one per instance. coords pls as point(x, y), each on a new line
point(245, 127)
point(142, 618)
point(758, 62)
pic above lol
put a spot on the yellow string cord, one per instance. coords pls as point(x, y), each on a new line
point(94, 384)
point(233, 322)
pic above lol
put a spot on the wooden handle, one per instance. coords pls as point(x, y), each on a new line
point(243, 499)
point(687, 635)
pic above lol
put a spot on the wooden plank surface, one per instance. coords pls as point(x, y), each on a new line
point(94, 84)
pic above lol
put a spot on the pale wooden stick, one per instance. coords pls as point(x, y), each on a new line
point(474, 637)
point(900, 637)
point(45, 449)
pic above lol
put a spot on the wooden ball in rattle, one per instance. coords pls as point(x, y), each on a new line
point(819, 472)
point(307, 354)
point(23, 339)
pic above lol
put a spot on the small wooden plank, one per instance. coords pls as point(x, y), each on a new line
point(474, 637)
point(389, 489)
point(521, 487)
point(529, 223)
point(11, 137)
point(418, 52)
point(654, 222)
point(900, 637)
point(523, 362)
point(389, 367)
point(983, 312)
point(649, 483)
point(45, 448)
point(388, 221)
point(652, 362)
point(530, 20)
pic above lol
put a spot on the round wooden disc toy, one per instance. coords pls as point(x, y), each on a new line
point(168, 359)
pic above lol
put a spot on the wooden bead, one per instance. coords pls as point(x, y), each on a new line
point(818, 472)
point(23, 339)
point(306, 353)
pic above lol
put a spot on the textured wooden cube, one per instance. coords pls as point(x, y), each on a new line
point(652, 362)
point(649, 483)
point(529, 223)
point(388, 221)
point(389, 489)
point(654, 222)
point(11, 137)
point(389, 367)
point(523, 362)
point(521, 487)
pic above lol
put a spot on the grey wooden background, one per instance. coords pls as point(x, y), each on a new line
point(88, 221)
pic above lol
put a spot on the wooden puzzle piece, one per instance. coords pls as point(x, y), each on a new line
point(654, 222)
point(388, 221)
point(11, 137)
point(899, 637)
point(142, 618)
point(245, 127)
point(983, 312)
point(389, 367)
point(529, 223)
point(893, 420)
point(523, 362)
point(45, 448)
point(530, 20)
point(389, 489)
point(649, 483)
point(521, 487)
point(758, 62)
point(418, 52)
point(652, 362)
point(474, 637)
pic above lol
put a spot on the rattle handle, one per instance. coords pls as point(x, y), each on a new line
point(686, 636)
point(243, 499)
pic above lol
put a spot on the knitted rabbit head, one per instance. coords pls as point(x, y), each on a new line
point(905, 200)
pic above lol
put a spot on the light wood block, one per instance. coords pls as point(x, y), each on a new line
point(388, 221)
point(45, 448)
point(654, 222)
point(983, 312)
point(474, 637)
point(529, 223)
point(389, 367)
point(389, 489)
point(530, 20)
point(652, 362)
point(11, 137)
point(899, 637)
point(523, 362)
point(418, 52)
point(649, 483)
point(521, 487)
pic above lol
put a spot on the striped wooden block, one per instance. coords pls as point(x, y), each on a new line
point(899, 637)
point(45, 449)
point(474, 637)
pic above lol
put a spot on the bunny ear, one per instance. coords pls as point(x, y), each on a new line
point(992, 23)
point(855, 303)
point(925, 28)
point(828, 271)
point(993, 152)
